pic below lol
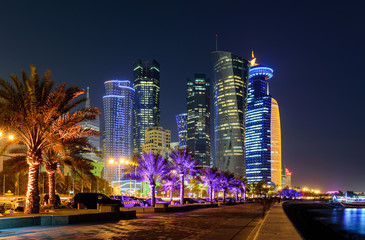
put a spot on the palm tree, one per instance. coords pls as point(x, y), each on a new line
point(152, 167)
point(224, 181)
point(210, 177)
point(244, 187)
point(170, 183)
point(183, 165)
point(29, 110)
point(69, 148)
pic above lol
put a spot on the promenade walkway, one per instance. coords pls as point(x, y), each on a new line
point(275, 226)
point(237, 222)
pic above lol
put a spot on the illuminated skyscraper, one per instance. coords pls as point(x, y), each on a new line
point(263, 134)
point(230, 91)
point(198, 118)
point(118, 126)
point(182, 129)
point(146, 108)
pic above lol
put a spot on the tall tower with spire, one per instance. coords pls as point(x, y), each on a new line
point(262, 128)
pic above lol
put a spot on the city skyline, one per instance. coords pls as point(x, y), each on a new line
point(310, 48)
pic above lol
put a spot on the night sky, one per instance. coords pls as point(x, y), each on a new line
point(316, 50)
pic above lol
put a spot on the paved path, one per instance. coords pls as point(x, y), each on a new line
point(227, 222)
point(275, 226)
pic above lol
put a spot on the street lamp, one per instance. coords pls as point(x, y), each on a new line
point(118, 163)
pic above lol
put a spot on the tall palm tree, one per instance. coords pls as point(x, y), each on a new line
point(30, 108)
point(182, 163)
point(210, 178)
point(152, 167)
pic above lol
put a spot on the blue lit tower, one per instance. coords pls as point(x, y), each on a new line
point(230, 91)
point(118, 125)
point(146, 108)
point(263, 134)
point(182, 129)
point(198, 118)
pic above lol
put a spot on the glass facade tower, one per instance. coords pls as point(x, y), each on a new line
point(198, 118)
point(263, 134)
point(118, 126)
point(146, 108)
point(182, 129)
point(230, 92)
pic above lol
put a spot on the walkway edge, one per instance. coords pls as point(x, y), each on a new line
point(54, 220)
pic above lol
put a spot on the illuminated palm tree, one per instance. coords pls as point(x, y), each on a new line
point(210, 179)
point(30, 107)
point(224, 180)
point(244, 187)
point(182, 163)
point(170, 183)
point(152, 167)
point(68, 154)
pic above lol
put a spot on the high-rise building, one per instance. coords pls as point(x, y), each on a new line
point(118, 126)
point(146, 108)
point(263, 134)
point(157, 140)
point(230, 91)
point(98, 164)
point(198, 118)
point(288, 178)
point(182, 129)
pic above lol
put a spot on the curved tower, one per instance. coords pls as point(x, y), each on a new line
point(230, 90)
point(118, 125)
point(263, 133)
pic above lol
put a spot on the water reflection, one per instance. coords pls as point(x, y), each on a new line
point(349, 219)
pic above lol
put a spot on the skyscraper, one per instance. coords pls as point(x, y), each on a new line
point(230, 91)
point(198, 118)
point(182, 129)
point(263, 134)
point(94, 141)
point(146, 108)
point(118, 126)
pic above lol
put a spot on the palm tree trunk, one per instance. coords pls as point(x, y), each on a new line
point(211, 194)
point(236, 195)
point(32, 202)
point(182, 189)
point(171, 194)
point(51, 188)
point(51, 170)
point(153, 199)
point(224, 195)
point(244, 193)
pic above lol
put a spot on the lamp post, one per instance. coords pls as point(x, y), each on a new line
point(118, 163)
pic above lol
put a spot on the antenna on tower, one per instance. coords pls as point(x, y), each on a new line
point(87, 104)
point(216, 41)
